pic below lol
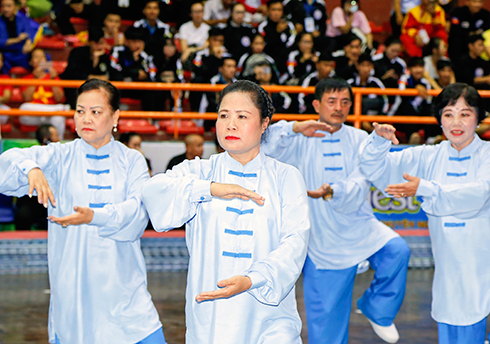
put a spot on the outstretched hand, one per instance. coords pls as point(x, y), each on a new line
point(82, 215)
point(387, 131)
point(309, 128)
point(229, 191)
point(228, 288)
point(325, 191)
point(38, 182)
point(404, 189)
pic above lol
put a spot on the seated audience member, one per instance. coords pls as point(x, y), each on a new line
point(279, 34)
point(471, 68)
point(345, 66)
point(418, 105)
point(217, 11)
point(87, 62)
point(79, 9)
point(400, 10)
point(169, 70)
point(309, 16)
point(325, 68)
point(157, 30)
point(225, 76)
point(194, 146)
point(372, 104)
point(301, 62)
point(112, 35)
point(238, 34)
point(422, 23)
point(133, 141)
point(194, 34)
point(280, 100)
point(438, 50)
point(5, 93)
point(30, 213)
point(43, 98)
point(465, 21)
point(445, 74)
point(18, 36)
point(131, 63)
point(388, 66)
point(256, 10)
point(346, 19)
point(256, 55)
point(128, 9)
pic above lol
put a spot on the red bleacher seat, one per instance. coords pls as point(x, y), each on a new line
point(16, 96)
point(375, 28)
point(52, 42)
point(6, 128)
point(24, 128)
point(59, 66)
point(184, 127)
point(79, 24)
point(140, 126)
point(70, 125)
point(131, 104)
point(18, 72)
point(163, 124)
point(486, 135)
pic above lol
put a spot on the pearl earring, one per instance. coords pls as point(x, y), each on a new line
point(115, 128)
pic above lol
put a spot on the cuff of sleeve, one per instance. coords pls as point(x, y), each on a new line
point(26, 166)
point(257, 279)
point(288, 128)
point(425, 189)
point(379, 141)
point(201, 191)
point(338, 193)
point(101, 217)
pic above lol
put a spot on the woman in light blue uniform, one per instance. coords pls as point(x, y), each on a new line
point(454, 181)
point(250, 244)
point(92, 189)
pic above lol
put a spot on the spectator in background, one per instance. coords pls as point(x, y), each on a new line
point(345, 65)
point(256, 55)
point(194, 33)
point(256, 10)
point(346, 19)
point(325, 68)
point(388, 66)
point(133, 141)
point(78, 9)
point(372, 104)
point(217, 11)
point(422, 23)
point(43, 98)
point(279, 34)
point(400, 9)
point(128, 9)
point(238, 34)
point(466, 20)
point(157, 30)
point(445, 74)
point(280, 100)
point(18, 36)
point(410, 106)
point(169, 70)
point(112, 35)
point(29, 211)
point(5, 93)
point(301, 62)
point(308, 16)
point(471, 68)
point(194, 146)
point(131, 63)
point(87, 62)
point(438, 49)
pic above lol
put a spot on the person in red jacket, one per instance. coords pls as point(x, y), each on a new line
point(422, 23)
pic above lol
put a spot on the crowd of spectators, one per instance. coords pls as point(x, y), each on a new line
point(283, 42)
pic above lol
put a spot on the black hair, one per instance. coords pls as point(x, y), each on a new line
point(434, 43)
point(329, 85)
point(214, 31)
point(349, 38)
point(392, 40)
point(441, 64)
point(271, 2)
point(136, 33)
point(113, 97)
point(259, 96)
point(95, 33)
point(325, 56)
point(416, 61)
point(450, 95)
point(366, 57)
point(222, 60)
point(473, 38)
point(43, 136)
point(126, 137)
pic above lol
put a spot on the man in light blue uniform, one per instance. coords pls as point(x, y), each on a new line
point(344, 231)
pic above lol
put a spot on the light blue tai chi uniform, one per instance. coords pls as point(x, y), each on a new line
point(344, 232)
point(229, 237)
point(97, 271)
point(455, 187)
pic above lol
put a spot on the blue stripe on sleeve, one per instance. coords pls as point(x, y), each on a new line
point(332, 154)
point(453, 174)
point(454, 224)
point(334, 168)
point(455, 158)
point(97, 205)
point(100, 187)
point(237, 255)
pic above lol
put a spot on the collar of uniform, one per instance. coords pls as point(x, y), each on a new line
point(468, 150)
point(89, 149)
point(251, 166)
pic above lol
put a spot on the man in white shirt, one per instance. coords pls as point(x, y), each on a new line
point(194, 34)
point(217, 11)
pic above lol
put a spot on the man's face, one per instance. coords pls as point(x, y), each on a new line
point(197, 13)
point(112, 22)
point(364, 68)
point(417, 72)
point(228, 69)
point(54, 136)
point(263, 74)
point(353, 50)
point(445, 74)
point(324, 68)
point(135, 45)
point(474, 5)
point(151, 10)
point(216, 41)
point(8, 8)
point(334, 107)
point(393, 51)
point(477, 47)
point(275, 12)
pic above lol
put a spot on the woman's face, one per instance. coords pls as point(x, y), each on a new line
point(459, 122)
point(258, 45)
point(239, 127)
point(94, 118)
point(238, 14)
point(306, 43)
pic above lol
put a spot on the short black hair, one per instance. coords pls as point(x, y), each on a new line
point(473, 38)
point(325, 56)
point(214, 31)
point(126, 137)
point(95, 33)
point(450, 95)
point(365, 57)
point(392, 40)
point(136, 33)
point(329, 85)
point(349, 38)
point(416, 61)
point(441, 64)
point(113, 97)
point(42, 133)
point(271, 2)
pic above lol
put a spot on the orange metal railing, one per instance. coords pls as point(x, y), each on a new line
point(356, 118)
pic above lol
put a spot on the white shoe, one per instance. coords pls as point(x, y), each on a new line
point(387, 333)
